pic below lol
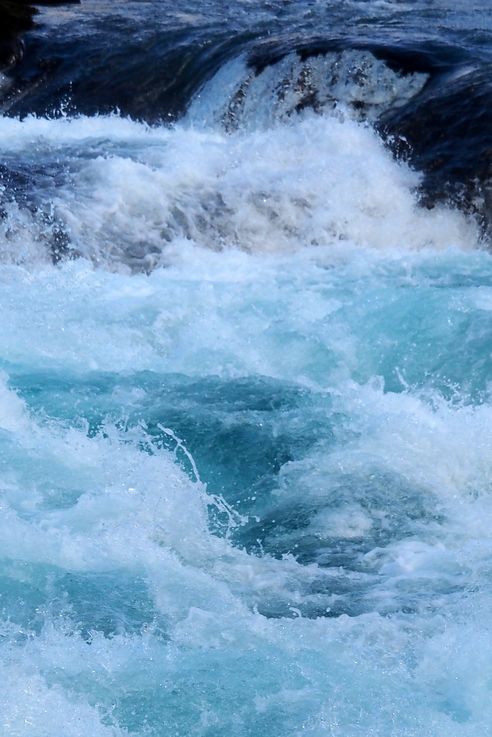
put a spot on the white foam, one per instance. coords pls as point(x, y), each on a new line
point(330, 189)
point(12, 409)
point(409, 433)
point(141, 515)
point(348, 83)
point(319, 181)
point(132, 511)
point(29, 707)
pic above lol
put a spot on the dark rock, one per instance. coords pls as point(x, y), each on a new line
point(446, 133)
point(11, 51)
point(17, 17)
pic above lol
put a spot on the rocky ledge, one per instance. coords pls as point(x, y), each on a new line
point(17, 17)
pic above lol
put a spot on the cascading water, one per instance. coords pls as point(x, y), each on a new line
point(245, 390)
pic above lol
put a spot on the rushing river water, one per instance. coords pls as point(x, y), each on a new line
point(246, 366)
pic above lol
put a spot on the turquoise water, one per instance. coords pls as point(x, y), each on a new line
point(248, 494)
point(245, 377)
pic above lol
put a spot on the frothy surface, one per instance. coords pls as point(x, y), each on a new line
point(245, 375)
point(348, 558)
point(123, 194)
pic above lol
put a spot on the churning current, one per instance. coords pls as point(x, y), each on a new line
point(246, 371)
